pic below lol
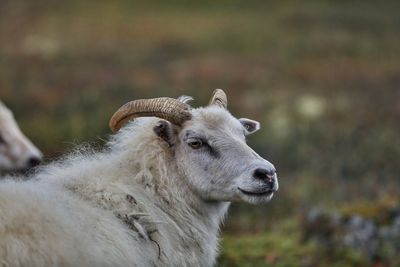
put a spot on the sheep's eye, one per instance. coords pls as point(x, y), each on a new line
point(195, 144)
point(2, 141)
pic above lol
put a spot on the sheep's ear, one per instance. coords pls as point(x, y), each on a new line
point(249, 126)
point(165, 131)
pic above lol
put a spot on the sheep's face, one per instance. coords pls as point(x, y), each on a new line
point(16, 151)
point(212, 152)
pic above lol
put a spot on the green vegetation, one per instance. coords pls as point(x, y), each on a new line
point(282, 245)
point(321, 76)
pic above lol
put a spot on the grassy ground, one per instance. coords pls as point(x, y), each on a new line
point(282, 245)
point(321, 76)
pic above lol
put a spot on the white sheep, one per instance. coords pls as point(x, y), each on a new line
point(155, 197)
point(16, 151)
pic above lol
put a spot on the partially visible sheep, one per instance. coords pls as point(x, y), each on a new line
point(16, 151)
point(155, 197)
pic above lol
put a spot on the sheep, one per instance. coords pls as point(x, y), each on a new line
point(155, 196)
point(16, 151)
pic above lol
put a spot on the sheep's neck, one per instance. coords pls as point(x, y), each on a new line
point(200, 220)
point(206, 218)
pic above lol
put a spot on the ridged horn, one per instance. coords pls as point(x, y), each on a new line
point(166, 108)
point(219, 98)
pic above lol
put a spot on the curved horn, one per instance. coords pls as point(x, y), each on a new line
point(219, 98)
point(166, 108)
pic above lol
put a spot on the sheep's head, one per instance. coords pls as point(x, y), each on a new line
point(209, 146)
point(16, 151)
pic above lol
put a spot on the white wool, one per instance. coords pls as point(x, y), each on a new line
point(68, 214)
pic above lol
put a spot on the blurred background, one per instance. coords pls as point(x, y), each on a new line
point(321, 76)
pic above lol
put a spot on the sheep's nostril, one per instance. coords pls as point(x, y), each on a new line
point(265, 174)
point(33, 161)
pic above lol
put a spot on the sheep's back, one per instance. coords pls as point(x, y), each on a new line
point(42, 225)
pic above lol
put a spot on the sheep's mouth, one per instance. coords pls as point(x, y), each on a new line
point(260, 193)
